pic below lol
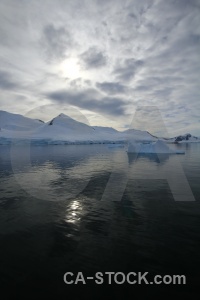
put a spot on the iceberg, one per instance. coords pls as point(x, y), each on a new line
point(151, 147)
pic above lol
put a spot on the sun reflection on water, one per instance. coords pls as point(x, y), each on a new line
point(73, 213)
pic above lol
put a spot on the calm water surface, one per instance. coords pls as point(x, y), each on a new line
point(93, 208)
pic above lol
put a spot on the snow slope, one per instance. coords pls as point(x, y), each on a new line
point(16, 122)
point(139, 135)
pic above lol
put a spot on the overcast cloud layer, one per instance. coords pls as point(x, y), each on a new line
point(104, 57)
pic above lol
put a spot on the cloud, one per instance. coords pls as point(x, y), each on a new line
point(126, 70)
point(93, 58)
point(6, 81)
point(111, 88)
point(91, 100)
point(127, 53)
point(76, 83)
point(55, 42)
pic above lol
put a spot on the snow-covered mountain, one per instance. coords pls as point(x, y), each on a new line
point(63, 130)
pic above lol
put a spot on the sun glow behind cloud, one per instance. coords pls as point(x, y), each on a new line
point(70, 68)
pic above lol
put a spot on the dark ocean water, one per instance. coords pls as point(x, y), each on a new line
point(97, 209)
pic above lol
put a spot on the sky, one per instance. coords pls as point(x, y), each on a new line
point(108, 59)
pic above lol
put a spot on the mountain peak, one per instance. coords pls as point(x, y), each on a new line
point(59, 118)
point(62, 115)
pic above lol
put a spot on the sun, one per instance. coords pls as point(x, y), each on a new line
point(70, 68)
